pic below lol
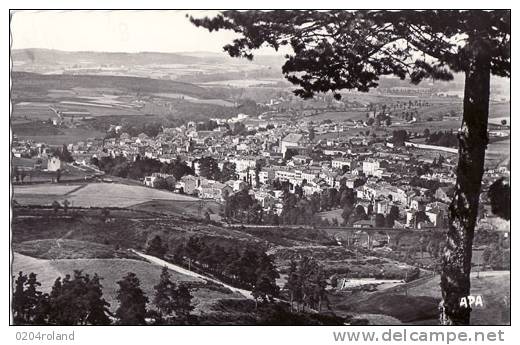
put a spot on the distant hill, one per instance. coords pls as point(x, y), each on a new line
point(50, 56)
point(195, 67)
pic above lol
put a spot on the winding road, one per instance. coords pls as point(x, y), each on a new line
point(181, 270)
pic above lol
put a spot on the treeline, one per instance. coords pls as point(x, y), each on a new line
point(431, 185)
point(497, 257)
point(297, 209)
point(150, 129)
point(78, 300)
point(242, 207)
point(306, 284)
point(122, 167)
point(248, 268)
point(63, 154)
point(352, 215)
point(209, 169)
point(446, 139)
point(238, 128)
point(399, 137)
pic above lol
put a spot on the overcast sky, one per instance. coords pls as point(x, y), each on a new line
point(116, 31)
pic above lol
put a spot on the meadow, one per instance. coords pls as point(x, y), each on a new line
point(93, 194)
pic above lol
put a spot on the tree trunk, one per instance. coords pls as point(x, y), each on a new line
point(473, 139)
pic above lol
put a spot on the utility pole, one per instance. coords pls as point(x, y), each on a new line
point(478, 265)
point(405, 287)
point(200, 207)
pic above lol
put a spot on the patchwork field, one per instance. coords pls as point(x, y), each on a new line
point(179, 96)
point(93, 195)
point(243, 82)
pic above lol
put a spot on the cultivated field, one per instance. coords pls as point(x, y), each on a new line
point(243, 82)
point(93, 195)
point(119, 195)
point(46, 189)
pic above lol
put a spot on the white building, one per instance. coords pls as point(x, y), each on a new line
point(244, 163)
point(291, 140)
point(339, 163)
point(370, 167)
point(54, 163)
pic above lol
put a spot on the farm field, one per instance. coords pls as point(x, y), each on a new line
point(119, 195)
point(112, 270)
point(501, 148)
point(243, 82)
point(94, 195)
point(177, 96)
point(42, 189)
point(57, 136)
point(500, 110)
point(89, 104)
point(40, 83)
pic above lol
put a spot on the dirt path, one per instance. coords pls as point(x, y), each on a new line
point(184, 271)
point(74, 190)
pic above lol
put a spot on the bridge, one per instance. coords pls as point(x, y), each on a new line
point(393, 235)
point(349, 234)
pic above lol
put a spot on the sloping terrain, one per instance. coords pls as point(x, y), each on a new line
point(417, 302)
point(112, 270)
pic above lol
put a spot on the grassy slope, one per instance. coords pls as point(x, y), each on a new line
point(112, 270)
point(418, 303)
point(128, 230)
point(494, 288)
point(182, 207)
point(69, 249)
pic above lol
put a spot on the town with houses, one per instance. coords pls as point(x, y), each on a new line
point(271, 156)
point(180, 179)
